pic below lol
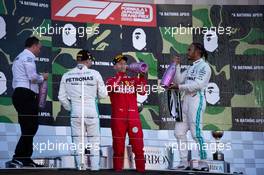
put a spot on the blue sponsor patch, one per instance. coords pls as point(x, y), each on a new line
point(29, 59)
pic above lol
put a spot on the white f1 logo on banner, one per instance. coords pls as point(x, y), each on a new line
point(102, 9)
point(120, 13)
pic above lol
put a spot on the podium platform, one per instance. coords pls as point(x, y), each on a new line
point(45, 171)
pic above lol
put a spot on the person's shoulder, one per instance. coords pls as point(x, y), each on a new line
point(93, 71)
point(206, 64)
point(110, 78)
point(203, 63)
point(25, 57)
point(68, 72)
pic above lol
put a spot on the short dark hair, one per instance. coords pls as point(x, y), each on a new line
point(84, 55)
point(118, 58)
point(31, 41)
point(201, 48)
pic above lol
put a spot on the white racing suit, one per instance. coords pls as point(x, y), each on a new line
point(70, 96)
point(192, 83)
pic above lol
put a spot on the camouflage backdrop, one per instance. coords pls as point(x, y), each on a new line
point(236, 59)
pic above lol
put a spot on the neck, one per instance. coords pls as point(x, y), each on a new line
point(195, 59)
point(31, 50)
point(121, 72)
point(85, 64)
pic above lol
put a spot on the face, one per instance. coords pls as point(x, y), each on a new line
point(36, 49)
point(192, 53)
point(89, 63)
point(120, 66)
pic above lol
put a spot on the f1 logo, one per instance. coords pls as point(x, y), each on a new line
point(105, 12)
point(100, 8)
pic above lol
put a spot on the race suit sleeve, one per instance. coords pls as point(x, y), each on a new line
point(112, 83)
point(30, 68)
point(63, 97)
point(200, 82)
point(101, 89)
point(141, 85)
point(179, 76)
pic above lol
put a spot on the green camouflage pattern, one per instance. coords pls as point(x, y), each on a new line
point(238, 88)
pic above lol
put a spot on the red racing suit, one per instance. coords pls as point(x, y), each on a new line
point(123, 90)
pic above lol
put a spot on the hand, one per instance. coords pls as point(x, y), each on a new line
point(173, 86)
point(142, 75)
point(45, 76)
point(176, 59)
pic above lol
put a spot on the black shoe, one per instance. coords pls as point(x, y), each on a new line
point(31, 163)
point(14, 163)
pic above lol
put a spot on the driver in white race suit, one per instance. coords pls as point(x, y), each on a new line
point(192, 83)
point(70, 96)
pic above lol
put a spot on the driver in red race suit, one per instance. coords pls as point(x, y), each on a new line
point(123, 90)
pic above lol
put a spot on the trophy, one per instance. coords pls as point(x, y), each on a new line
point(168, 76)
point(140, 67)
point(43, 91)
point(217, 136)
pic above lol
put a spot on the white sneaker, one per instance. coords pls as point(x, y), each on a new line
point(183, 165)
point(95, 168)
point(203, 166)
point(199, 165)
point(95, 163)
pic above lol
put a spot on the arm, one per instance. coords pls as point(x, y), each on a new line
point(179, 76)
point(30, 68)
point(200, 81)
point(141, 85)
point(101, 89)
point(63, 96)
point(112, 83)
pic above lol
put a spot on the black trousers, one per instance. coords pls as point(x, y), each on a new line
point(25, 102)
